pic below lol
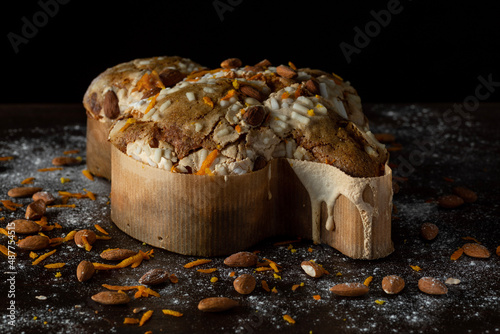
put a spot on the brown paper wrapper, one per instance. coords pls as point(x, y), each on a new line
point(220, 215)
point(98, 148)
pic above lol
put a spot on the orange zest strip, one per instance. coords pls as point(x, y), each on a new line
point(196, 263)
point(136, 263)
point(120, 287)
point(6, 252)
point(457, 254)
point(207, 162)
point(55, 241)
point(71, 152)
point(232, 273)
point(128, 123)
point(173, 279)
point(102, 237)
point(208, 101)
point(295, 287)
point(100, 229)
point(145, 317)
point(207, 271)
point(471, 239)
point(6, 158)
point(54, 265)
point(28, 180)
point(88, 175)
point(62, 206)
point(317, 297)
point(368, 280)
point(263, 269)
point(416, 268)
point(289, 319)
point(229, 95)
point(50, 169)
point(9, 205)
point(103, 266)
point(130, 321)
point(152, 102)
point(74, 195)
point(4, 231)
point(33, 255)
point(86, 244)
point(173, 313)
point(265, 286)
point(70, 236)
point(141, 292)
point(91, 195)
point(43, 257)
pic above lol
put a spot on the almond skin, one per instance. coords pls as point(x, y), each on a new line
point(117, 254)
point(35, 210)
point(476, 250)
point(23, 226)
point(23, 191)
point(429, 231)
point(111, 298)
point(393, 284)
point(90, 235)
point(312, 269)
point(217, 304)
point(85, 271)
point(432, 286)
point(244, 284)
point(350, 289)
point(34, 242)
point(241, 259)
point(154, 276)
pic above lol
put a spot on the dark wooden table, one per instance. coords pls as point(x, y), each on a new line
point(439, 149)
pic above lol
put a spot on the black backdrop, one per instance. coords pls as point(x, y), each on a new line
point(426, 51)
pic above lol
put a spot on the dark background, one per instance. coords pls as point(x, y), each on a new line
point(432, 51)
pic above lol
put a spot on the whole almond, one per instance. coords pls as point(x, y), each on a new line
point(241, 259)
point(432, 286)
point(35, 210)
point(244, 284)
point(254, 115)
point(23, 191)
point(385, 138)
point(216, 304)
point(251, 92)
point(34, 242)
point(476, 250)
point(170, 77)
point(429, 231)
point(312, 269)
point(23, 226)
point(44, 196)
point(450, 201)
point(154, 276)
point(90, 235)
point(231, 63)
point(111, 298)
point(350, 289)
point(286, 72)
point(110, 105)
point(65, 161)
point(393, 284)
point(85, 271)
point(466, 194)
point(117, 254)
point(312, 86)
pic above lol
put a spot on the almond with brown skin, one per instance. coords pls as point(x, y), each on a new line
point(154, 276)
point(44, 196)
point(259, 163)
point(110, 105)
point(312, 86)
point(34, 242)
point(393, 284)
point(244, 284)
point(117, 254)
point(170, 77)
point(241, 259)
point(466, 194)
point(432, 286)
point(85, 271)
point(476, 250)
point(251, 92)
point(231, 63)
point(286, 72)
point(66, 161)
point(263, 63)
point(385, 138)
point(111, 298)
point(23, 226)
point(450, 201)
point(312, 269)
point(429, 231)
point(254, 115)
point(90, 235)
point(216, 304)
point(350, 289)
point(35, 210)
point(23, 191)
